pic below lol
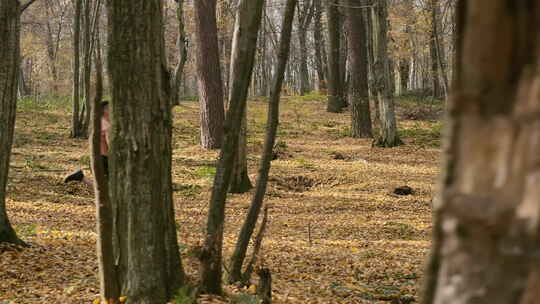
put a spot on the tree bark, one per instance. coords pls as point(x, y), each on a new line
point(388, 136)
point(487, 224)
point(246, 232)
point(318, 39)
point(305, 15)
point(9, 75)
point(182, 45)
point(146, 248)
point(209, 74)
point(248, 21)
point(359, 95)
point(336, 101)
point(76, 122)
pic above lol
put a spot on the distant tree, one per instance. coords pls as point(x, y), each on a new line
point(248, 21)
point(9, 75)
point(146, 250)
point(238, 257)
point(486, 229)
point(182, 45)
point(359, 92)
point(77, 116)
point(319, 43)
point(306, 10)
point(388, 136)
point(209, 74)
point(336, 102)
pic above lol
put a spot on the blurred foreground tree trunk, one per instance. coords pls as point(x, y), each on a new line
point(248, 21)
point(145, 243)
point(9, 75)
point(487, 212)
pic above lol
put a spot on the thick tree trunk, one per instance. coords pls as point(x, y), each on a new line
point(9, 74)
point(248, 21)
point(336, 101)
point(359, 94)
point(487, 227)
point(382, 80)
point(244, 236)
point(240, 182)
point(146, 249)
point(209, 74)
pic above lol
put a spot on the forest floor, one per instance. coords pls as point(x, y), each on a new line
point(336, 232)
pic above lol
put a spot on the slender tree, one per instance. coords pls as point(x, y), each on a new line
point(182, 45)
point(306, 11)
point(209, 74)
point(486, 227)
point(9, 75)
point(358, 95)
point(318, 39)
point(242, 242)
point(388, 136)
point(248, 21)
point(146, 249)
point(336, 102)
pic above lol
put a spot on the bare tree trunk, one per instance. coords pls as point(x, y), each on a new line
point(182, 45)
point(209, 74)
point(388, 133)
point(242, 242)
point(76, 123)
point(305, 15)
point(146, 248)
point(487, 219)
point(248, 21)
point(318, 39)
point(359, 95)
point(336, 101)
point(9, 75)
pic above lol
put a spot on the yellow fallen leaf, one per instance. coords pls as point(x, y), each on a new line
point(97, 301)
point(122, 299)
point(354, 249)
point(252, 289)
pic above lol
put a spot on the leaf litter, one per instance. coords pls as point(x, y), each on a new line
point(336, 233)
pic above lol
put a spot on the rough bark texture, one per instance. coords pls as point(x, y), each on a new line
point(240, 182)
point(489, 203)
point(9, 75)
point(335, 88)
point(244, 236)
point(359, 94)
point(388, 136)
point(146, 249)
point(248, 21)
point(209, 74)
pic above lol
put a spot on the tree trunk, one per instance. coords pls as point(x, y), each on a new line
point(248, 21)
point(336, 102)
point(382, 83)
point(209, 74)
point(305, 15)
point(9, 74)
point(240, 182)
point(244, 236)
point(318, 39)
point(182, 45)
point(76, 123)
point(487, 219)
point(146, 249)
point(359, 95)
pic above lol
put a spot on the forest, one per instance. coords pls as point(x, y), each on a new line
point(269, 151)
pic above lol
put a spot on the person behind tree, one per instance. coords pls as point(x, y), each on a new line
point(78, 175)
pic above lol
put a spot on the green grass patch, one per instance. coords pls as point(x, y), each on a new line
point(206, 172)
point(428, 136)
